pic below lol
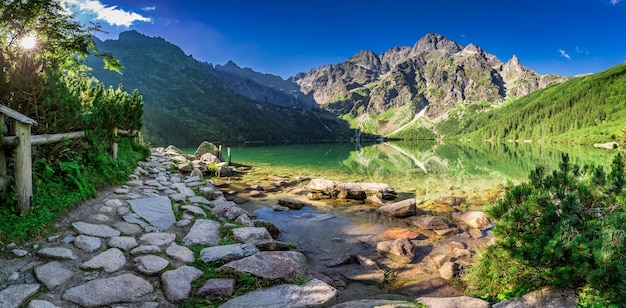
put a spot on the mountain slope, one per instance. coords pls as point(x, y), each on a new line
point(435, 74)
point(186, 104)
point(262, 87)
point(589, 109)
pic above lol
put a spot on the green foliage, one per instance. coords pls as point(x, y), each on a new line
point(566, 228)
point(48, 84)
point(582, 110)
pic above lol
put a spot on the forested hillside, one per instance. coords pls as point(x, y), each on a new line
point(185, 104)
point(584, 110)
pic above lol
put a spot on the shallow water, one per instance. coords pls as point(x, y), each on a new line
point(424, 171)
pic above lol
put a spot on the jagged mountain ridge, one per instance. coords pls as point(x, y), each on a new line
point(184, 103)
point(432, 76)
point(262, 87)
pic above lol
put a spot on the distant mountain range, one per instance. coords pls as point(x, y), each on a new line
point(186, 103)
point(424, 91)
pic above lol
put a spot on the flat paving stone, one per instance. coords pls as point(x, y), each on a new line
point(155, 210)
point(107, 291)
point(95, 229)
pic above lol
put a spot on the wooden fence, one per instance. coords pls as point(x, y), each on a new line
point(23, 141)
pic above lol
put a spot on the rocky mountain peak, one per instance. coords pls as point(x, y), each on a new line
point(514, 60)
point(491, 59)
point(366, 59)
point(471, 48)
point(433, 42)
point(513, 65)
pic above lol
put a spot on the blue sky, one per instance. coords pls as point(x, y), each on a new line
point(285, 37)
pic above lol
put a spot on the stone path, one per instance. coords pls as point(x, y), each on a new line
point(134, 247)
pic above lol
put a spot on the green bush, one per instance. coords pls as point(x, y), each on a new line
point(563, 229)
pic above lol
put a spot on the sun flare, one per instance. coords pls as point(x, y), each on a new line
point(29, 41)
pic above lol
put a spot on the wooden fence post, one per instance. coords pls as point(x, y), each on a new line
point(115, 143)
point(23, 168)
point(3, 158)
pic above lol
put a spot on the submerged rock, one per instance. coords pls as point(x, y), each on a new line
point(358, 191)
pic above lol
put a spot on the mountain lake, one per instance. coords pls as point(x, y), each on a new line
point(426, 171)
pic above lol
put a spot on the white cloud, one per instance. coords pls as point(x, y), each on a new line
point(564, 54)
point(148, 8)
point(109, 14)
point(615, 2)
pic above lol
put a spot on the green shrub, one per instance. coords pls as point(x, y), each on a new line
point(562, 229)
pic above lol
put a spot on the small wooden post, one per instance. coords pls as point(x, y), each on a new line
point(23, 168)
point(115, 143)
point(23, 158)
point(3, 159)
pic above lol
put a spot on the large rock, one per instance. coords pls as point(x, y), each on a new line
point(314, 293)
point(36, 303)
point(431, 222)
point(379, 303)
point(125, 243)
point(545, 298)
point(52, 274)
point(58, 253)
point(88, 243)
point(15, 295)
point(107, 291)
point(226, 210)
point(358, 191)
point(157, 238)
point(270, 265)
point(209, 158)
point(95, 230)
point(252, 235)
point(150, 264)
point(449, 302)
point(270, 227)
point(177, 283)
point(396, 233)
point(180, 253)
point(206, 147)
point(110, 261)
point(217, 288)
point(364, 273)
point(203, 232)
point(293, 203)
point(450, 201)
point(401, 250)
point(227, 253)
point(473, 219)
point(155, 210)
point(400, 209)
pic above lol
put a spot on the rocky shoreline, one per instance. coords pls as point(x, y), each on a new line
point(169, 235)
